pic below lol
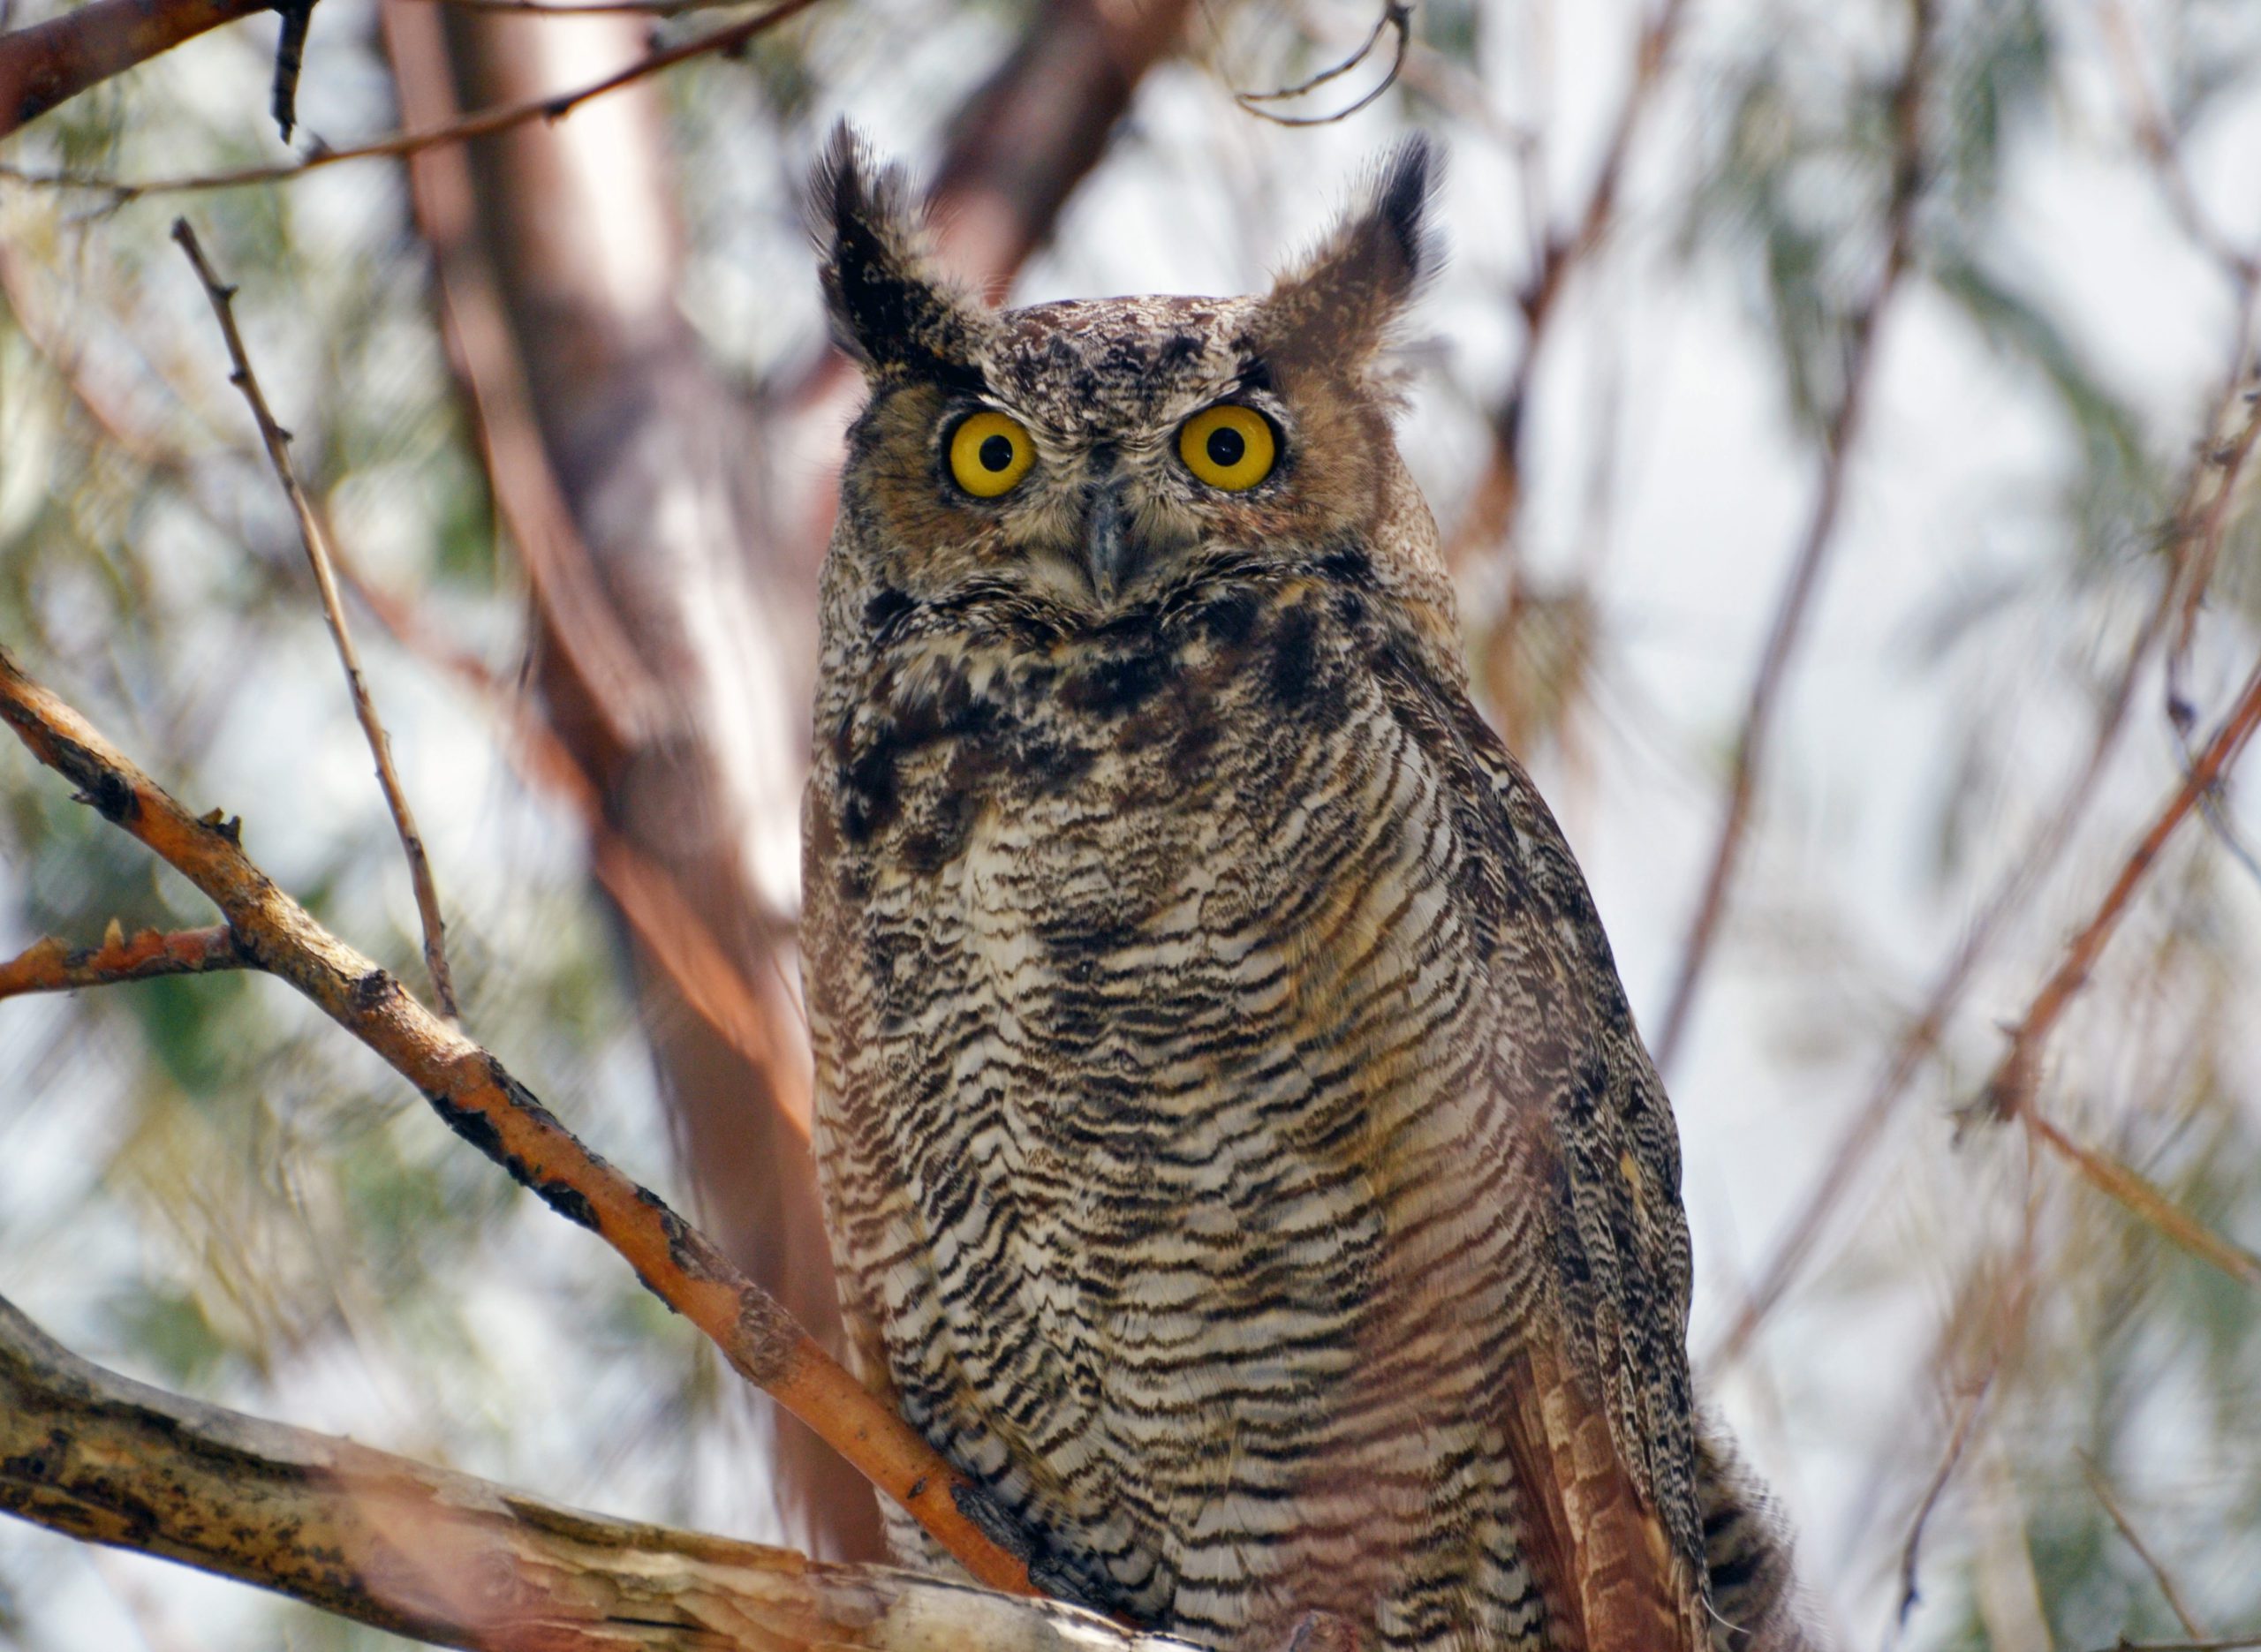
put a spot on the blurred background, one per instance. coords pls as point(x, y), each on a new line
point(1836, 413)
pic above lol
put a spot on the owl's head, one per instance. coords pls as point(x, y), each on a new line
point(1088, 457)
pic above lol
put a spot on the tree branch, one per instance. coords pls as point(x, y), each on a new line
point(1820, 534)
point(442, 1556)
point(277, 443)
point(49, 966)
point(2199, 522)
point(2145, 1202)
point(482, 1102)
point(2175, 1601)
point(600, 414)
point(673, 698)
point(51, 62)
point(2010, 1090)
point(556, 106)
point(1491, 511)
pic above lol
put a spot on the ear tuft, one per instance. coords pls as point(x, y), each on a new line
point(891, 308)
point(1340, 301)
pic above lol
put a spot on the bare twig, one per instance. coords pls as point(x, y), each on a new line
point(1994, 1315)
point(2155, 137)
point(556, 106)
point(51, 62)
point(1492, 505)
point(2022, 875)
point(2116, 1181)
point(2198, 521)
point(2010, 1088)
point(1395, 15)
point(2220, 466)
point(1814, 545)
point(2236, 1643)
point(277, 442)
point(479, 1099)
point(2102, 1488)
point(442, 1556)
point(678, 937)
point(1966, 1422)
point(49, 966)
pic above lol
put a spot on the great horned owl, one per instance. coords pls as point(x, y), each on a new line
point(1239, 1155)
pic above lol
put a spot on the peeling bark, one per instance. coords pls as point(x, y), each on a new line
point(445, 1557)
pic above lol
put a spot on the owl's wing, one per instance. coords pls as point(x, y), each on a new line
point(1602, 1416)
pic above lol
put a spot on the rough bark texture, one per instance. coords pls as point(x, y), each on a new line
point(445, 1557)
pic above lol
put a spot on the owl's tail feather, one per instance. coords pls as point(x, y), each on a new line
point(1613, 1581)
point(1756, 1605)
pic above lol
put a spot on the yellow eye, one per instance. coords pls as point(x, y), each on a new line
point(1228, 446)
point(989, 453)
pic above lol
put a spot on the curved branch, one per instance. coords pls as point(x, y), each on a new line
point(51, 62)
point(728, 38)
point(481, 1101)
point(444, 1556)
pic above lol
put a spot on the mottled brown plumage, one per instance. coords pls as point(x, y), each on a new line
point(1240, 1156)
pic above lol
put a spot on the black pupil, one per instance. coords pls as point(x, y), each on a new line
point(1226, 446)
point(996, 453)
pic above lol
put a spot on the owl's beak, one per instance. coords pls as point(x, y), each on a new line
point(1110, 555)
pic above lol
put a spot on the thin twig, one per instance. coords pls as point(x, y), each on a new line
point(2240, 267)
point(481, 1101)
point(1821, 535)
point(2021, 877)
point(277, 442)
point(2146, 1203)
point(594, 7)
point(554, 106)
point(2236, 1643)
point(2226, 461)
point(1491, 503)
point(2011, 1087)
point(1396, 14)
point(2157, 141)
point(50, 966)
point(2195, 521)
point(2002, 1326)
point(1966, 1422)
point(2102, 1488)
point(677, 935)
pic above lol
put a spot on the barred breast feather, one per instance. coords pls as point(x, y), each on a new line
point(1239, 1155)
point(1216, 1082)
